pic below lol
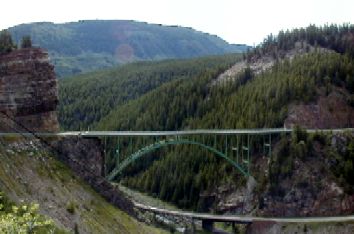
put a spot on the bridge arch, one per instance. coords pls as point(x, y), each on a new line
point(157, 145)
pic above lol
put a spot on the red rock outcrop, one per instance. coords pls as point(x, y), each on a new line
point(332, 111)
point(28, 92)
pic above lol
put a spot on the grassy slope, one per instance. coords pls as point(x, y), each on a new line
point(30, 174)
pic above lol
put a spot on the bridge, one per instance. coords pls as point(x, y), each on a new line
point(126, 147)
point(233, 145)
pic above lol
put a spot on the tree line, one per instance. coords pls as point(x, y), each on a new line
point(85, 100)
point(338, 38)
point(7, 44)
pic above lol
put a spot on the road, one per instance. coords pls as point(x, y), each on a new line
point(243, 218)
point(261, 131)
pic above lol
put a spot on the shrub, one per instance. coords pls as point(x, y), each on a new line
point(23, 219)
point(70, 207)
point(299, 134)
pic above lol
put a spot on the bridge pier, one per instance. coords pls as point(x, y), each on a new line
point(193, 226)
point(234, 228)
point(207, 225)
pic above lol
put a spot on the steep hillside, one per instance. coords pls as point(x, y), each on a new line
point(85, 99)
point(262, 102)
point(89, 45)
point(28, 172)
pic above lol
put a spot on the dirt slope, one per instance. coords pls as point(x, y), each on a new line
point(265, 62)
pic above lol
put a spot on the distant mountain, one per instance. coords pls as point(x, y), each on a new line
point(89, 45)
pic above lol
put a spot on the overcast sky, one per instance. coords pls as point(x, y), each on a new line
point(246, 21)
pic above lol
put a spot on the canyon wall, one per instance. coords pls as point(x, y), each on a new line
point(28, 102)
point(28, 92)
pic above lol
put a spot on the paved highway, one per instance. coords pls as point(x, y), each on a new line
point(173, 133)
point(243, 218)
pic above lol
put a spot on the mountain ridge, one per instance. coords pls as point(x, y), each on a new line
point(87, 45)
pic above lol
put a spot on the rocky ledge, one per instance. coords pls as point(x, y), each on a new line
point(28, 92)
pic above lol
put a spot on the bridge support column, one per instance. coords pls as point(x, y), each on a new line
point(234, 228)
point(104, 171)
point(193, 226)
point(207, 225)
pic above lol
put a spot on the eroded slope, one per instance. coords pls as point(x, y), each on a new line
point(29, 173)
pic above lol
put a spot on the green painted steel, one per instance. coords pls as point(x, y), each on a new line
point(243, 146)
point(176, 141)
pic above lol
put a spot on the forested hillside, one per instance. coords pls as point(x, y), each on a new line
point(338, 38)
point(184, 172)
point(89, 45)
point(251, 99)
point(261, 102)
point(86, 99)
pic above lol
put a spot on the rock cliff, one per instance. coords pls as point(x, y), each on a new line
point(328, 111)
point(313, 182)
point(28, 102)
point(28, 92)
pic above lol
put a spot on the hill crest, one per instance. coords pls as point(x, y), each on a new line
point(88, 45)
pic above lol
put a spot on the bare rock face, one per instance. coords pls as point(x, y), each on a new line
point(332, 111)
point(28, 92)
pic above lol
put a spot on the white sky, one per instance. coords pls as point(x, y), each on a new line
point(246, 21)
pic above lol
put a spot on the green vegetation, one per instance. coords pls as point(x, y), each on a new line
point(90, 45)
point(182, 173)
point(26, 42)
point(23, 219)
point(6, 43)
point(263, 102)
point(145, 198)
point(70, 207)
point(31, 173)
point(335, 37)
point(343, 166)
point(86, 99)
point(299, 146)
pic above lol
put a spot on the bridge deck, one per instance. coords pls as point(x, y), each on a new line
point(170, 133)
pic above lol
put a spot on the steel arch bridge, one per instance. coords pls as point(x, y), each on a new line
point(242, 166)
point(234, 146)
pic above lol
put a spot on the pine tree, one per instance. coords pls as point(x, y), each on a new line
point(6, 43)
point(26, 42)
